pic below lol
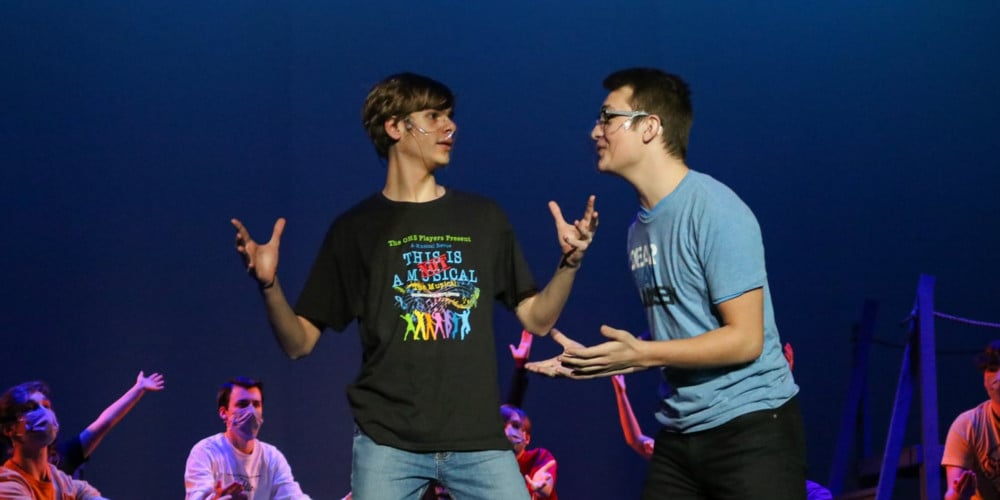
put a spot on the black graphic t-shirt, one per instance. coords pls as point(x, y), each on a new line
point(421, 280)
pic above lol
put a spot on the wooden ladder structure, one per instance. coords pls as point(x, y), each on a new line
point(917, 374)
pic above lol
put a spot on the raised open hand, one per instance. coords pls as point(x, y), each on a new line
point(552, 366)
point(261, 260)
point(154, 382)
point(575, 238)
point(541, 477)
point(523, 349)
point(622, 353)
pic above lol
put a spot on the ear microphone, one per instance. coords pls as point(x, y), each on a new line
point(410, 126)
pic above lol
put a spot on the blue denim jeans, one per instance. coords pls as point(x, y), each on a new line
point(386, 473)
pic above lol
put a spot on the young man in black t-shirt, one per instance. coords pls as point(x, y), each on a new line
point(419, 266)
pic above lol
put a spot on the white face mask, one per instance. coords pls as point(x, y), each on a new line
point(41, 424)
point(246, 422)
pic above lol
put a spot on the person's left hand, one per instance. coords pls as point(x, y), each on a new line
point(154, 382)
point(622, 353)
point(523, 349)
point(575, 238)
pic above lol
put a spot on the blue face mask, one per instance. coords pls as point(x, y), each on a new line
point(41, 423)
point(246, 422)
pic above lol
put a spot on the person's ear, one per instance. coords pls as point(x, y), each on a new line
point(652, 127)
point(394, 128)
point(222, 413)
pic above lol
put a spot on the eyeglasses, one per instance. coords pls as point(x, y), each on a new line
point(604, 119)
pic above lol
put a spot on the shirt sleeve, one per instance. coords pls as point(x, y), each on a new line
point(326, 298)
point(284, 486)
point(199, 479)
point(731, 250)
point(13, 490)
point(82, 490)
point(515, 282)
point(71, 455)
point(957, 451)
point(67, 487)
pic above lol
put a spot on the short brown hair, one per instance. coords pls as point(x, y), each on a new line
point(661, 94)
point(245, 382)
point(397, 96)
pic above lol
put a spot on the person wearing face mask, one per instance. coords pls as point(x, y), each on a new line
point(971, 458)
point(235, 465)
point(538, 465)
point(30, 426)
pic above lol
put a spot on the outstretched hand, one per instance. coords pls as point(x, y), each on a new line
point(622, 353)
point(232, 492)
point(552, 366)
point(541, 477)
point(154, 382)
point(523, 349)
point(261, 260)
point(575, 238)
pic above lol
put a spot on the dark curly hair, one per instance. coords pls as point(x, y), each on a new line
point(989, 359)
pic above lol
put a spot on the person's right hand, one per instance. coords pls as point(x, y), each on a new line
point(232, 492)
point(261, 260)
point(965, 485)
point(552, 366)
point(789, 355)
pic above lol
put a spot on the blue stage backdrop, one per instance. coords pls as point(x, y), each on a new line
point(864, 136)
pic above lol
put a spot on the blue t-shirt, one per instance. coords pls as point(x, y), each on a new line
point(698, 247)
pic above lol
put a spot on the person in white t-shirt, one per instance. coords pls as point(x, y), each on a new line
point(972, 449)
point(235, 465)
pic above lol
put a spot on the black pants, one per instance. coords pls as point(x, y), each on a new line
point(757, 456)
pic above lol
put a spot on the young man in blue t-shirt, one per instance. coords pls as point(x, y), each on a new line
point(732, 426)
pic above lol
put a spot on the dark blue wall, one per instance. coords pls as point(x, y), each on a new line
point(863, 136)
